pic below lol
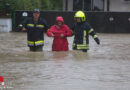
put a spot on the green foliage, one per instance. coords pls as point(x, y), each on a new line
point(31, 4)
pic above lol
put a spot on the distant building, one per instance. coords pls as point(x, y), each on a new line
point(96, 5)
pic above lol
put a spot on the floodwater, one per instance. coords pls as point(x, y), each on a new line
point(104, 67)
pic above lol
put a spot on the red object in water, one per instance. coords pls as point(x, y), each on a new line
point(1, 79)
point(59, 43)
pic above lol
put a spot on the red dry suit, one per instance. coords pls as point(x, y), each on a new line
point(59, 43)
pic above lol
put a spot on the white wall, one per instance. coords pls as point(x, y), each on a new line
point(5, 24)
point(98, 3)
point(63, 5)
point(69, 5)
point(120, 5)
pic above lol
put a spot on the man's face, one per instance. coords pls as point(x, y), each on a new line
point(36, 15)
point(78, 19)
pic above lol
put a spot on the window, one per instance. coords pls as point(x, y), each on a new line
point(77, 5)
point(88, 5)
point(98, 5)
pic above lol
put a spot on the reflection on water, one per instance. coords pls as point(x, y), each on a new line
point(102, 68)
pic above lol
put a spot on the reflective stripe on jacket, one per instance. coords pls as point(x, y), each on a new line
point(35, 31)
point(81, 33)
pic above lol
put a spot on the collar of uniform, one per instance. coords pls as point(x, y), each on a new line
point(80, 22)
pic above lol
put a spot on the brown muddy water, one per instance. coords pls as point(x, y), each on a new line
point(104, 67)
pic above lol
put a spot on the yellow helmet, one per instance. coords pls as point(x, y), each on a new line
point(81, 15)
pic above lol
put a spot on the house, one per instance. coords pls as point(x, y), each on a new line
point(97, 5)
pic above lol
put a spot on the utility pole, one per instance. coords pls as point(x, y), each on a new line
point(103, 5)
point(83, 5)
point(108, 5)
point(92, 4)
point(66, 5)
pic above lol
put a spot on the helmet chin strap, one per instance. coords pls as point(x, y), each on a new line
point(80, 20)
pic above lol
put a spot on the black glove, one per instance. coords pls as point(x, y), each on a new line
point(97, 41)
point(19, 28)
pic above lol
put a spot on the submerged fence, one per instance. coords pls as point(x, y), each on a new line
point(102, 22)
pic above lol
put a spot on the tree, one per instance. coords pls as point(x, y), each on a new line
point(27, 5)
point(36, 4)
point(57, 4)
point(31, 4)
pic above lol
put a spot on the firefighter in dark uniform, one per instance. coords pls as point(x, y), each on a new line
point(35, 27)
point(81, 30)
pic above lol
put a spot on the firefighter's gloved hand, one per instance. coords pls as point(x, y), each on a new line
point(19, 28)
point(97, 41)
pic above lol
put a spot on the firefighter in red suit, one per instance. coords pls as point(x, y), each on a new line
point(60, 32)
